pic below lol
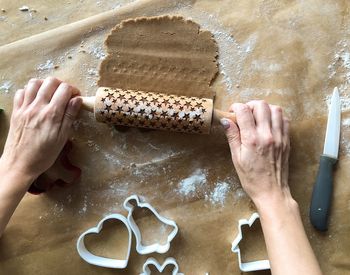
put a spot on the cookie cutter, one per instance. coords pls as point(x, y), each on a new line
point(104, 261)
point(132, 228)
point(156, 247)
point(248, 266)
point(159, 267)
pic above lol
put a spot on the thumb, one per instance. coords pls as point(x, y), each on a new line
point(232, 134)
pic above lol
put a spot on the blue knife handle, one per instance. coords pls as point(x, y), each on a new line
point(322, 194)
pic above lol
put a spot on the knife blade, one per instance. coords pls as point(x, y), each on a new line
point(323, 188)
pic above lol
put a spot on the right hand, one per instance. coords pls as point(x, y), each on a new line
point(259, 144)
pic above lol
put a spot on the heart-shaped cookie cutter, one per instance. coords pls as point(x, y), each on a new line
point(156, 247)
point(103, 261)
point(159, 267)
point(248, 266)
point(132, 227)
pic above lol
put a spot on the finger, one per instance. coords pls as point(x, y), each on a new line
point(62, 96)
point(70, 115)
point(245, 119)
point(230, 109)
point(31, 90)
point(277, 123)
point(286, 124)
point(232, 134)
point(47, 89)
point(285, 133)
point(18, 99)
point(262, 114)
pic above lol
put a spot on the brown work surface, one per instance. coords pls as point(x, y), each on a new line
point(289, 53)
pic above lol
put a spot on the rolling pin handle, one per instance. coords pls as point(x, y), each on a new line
point(88, 103)
point(218, 114)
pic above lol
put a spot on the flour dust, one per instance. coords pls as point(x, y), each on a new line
point(339, 70)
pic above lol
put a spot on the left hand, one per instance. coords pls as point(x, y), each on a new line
point(43, 113)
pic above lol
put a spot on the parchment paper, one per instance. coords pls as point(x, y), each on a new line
point(289, 53)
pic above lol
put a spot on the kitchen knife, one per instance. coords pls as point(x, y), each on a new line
point(323, 188)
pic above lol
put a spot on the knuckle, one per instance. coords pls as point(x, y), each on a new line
point(243, 108)
point(65, 87)
point(54, 114)
point(269, 140)
point(231, 107)
point(29, 113)
point(34, 81)
point(251, 140)
point(276, 109)
point(51, 79)
point(286, 145)
point(261, 102)
point(278, 144)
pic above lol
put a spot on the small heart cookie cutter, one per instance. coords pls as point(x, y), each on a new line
point(248, 266)
point(157, 247)
point(98, 260)
point(159, 267)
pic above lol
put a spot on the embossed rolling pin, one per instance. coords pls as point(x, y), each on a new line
point(154, 110)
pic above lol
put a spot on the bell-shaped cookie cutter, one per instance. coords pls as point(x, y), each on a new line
point(159, 267)
point(248, 266)
point(156, 247)
point(98, 260)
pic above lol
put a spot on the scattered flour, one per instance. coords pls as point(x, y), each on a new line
point(346, 122)
point(85, 205)
point(264, 66)
point(6, 86)
point(218, 195)
point(190, 185)
point(340, 69)
point(94, 147)
point(344, 146)
point(239, 193)
point(92, 71)
point(97, 52)
point(48, 65)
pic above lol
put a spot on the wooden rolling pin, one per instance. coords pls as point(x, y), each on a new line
point(154, 110)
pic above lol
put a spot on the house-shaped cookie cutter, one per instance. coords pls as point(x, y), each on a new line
point(248, 266)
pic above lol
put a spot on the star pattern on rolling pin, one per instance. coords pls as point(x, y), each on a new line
point(151, 110)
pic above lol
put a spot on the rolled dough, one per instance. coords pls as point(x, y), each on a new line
point(160, 54)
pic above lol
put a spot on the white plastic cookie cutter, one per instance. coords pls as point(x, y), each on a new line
point(156, 247)
point(98, 260)
point(248, 266)
point(159, 267)
point(131, 227)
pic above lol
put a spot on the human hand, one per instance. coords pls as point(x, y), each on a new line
point(43, 113)
point(259, 144)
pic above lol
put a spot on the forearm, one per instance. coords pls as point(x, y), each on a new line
point(288, 247)
point(13, 186)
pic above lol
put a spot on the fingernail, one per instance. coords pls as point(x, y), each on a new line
point(225, 123)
